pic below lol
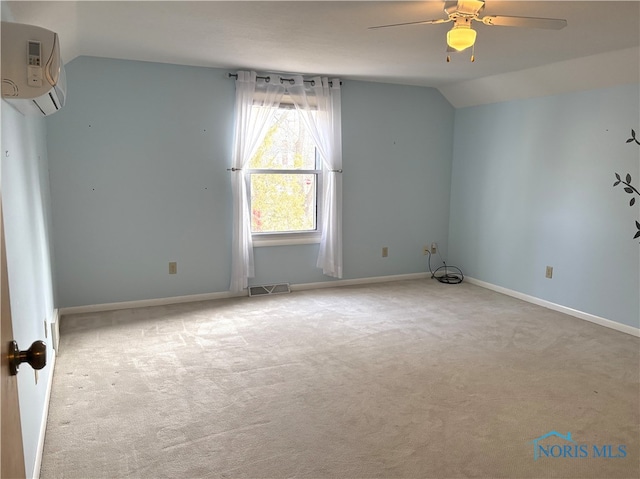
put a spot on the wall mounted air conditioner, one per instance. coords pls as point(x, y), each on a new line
point(33, 79)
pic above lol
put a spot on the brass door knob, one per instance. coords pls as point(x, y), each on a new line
point(36, 356)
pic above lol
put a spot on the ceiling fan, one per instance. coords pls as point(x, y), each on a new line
point(463, 12)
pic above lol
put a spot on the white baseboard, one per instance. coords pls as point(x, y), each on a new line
point(192, 298)
point(607, 323)
point(95, 308)
point(351, 282)
point(55, 331)
point(45, 416)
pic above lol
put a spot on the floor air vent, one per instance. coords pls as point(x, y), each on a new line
point(269, 289)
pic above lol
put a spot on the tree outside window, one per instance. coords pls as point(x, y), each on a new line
point(284, 178)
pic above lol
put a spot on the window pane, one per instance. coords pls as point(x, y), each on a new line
point(281, 203)
point(287, 145)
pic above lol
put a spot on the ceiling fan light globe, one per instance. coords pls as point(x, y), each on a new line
point(461, 38)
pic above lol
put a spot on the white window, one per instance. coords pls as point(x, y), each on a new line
point(274, 180)
point(285, 178)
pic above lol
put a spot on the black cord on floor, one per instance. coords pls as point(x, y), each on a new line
point(455, 277)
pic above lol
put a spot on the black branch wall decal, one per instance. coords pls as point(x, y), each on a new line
point(628, 187)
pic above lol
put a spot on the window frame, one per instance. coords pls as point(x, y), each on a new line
point(283, 238)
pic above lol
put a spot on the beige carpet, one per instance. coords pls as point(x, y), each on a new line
point(411, 379)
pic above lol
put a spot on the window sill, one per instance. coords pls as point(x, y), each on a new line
point(285, 240)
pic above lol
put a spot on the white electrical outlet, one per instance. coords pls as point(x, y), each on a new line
point(549, 272)
point(434, 247)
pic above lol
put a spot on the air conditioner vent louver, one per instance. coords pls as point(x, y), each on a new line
point(267, 289)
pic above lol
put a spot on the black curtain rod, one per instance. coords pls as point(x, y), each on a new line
point(267, 79)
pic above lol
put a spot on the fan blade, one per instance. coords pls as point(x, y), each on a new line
point(424, 22)
point(528, 22)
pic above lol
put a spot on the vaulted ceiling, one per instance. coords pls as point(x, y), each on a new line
point(599, 47)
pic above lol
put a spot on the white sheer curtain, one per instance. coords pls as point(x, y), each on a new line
point(251, 125)
point(319, 104)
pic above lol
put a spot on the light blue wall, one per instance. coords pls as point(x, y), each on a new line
point(138, 160)
point(397, 150)
point(25, 197)
point(138, 172)
point(532, 186)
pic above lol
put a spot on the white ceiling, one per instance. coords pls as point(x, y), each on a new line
point(600, 45)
